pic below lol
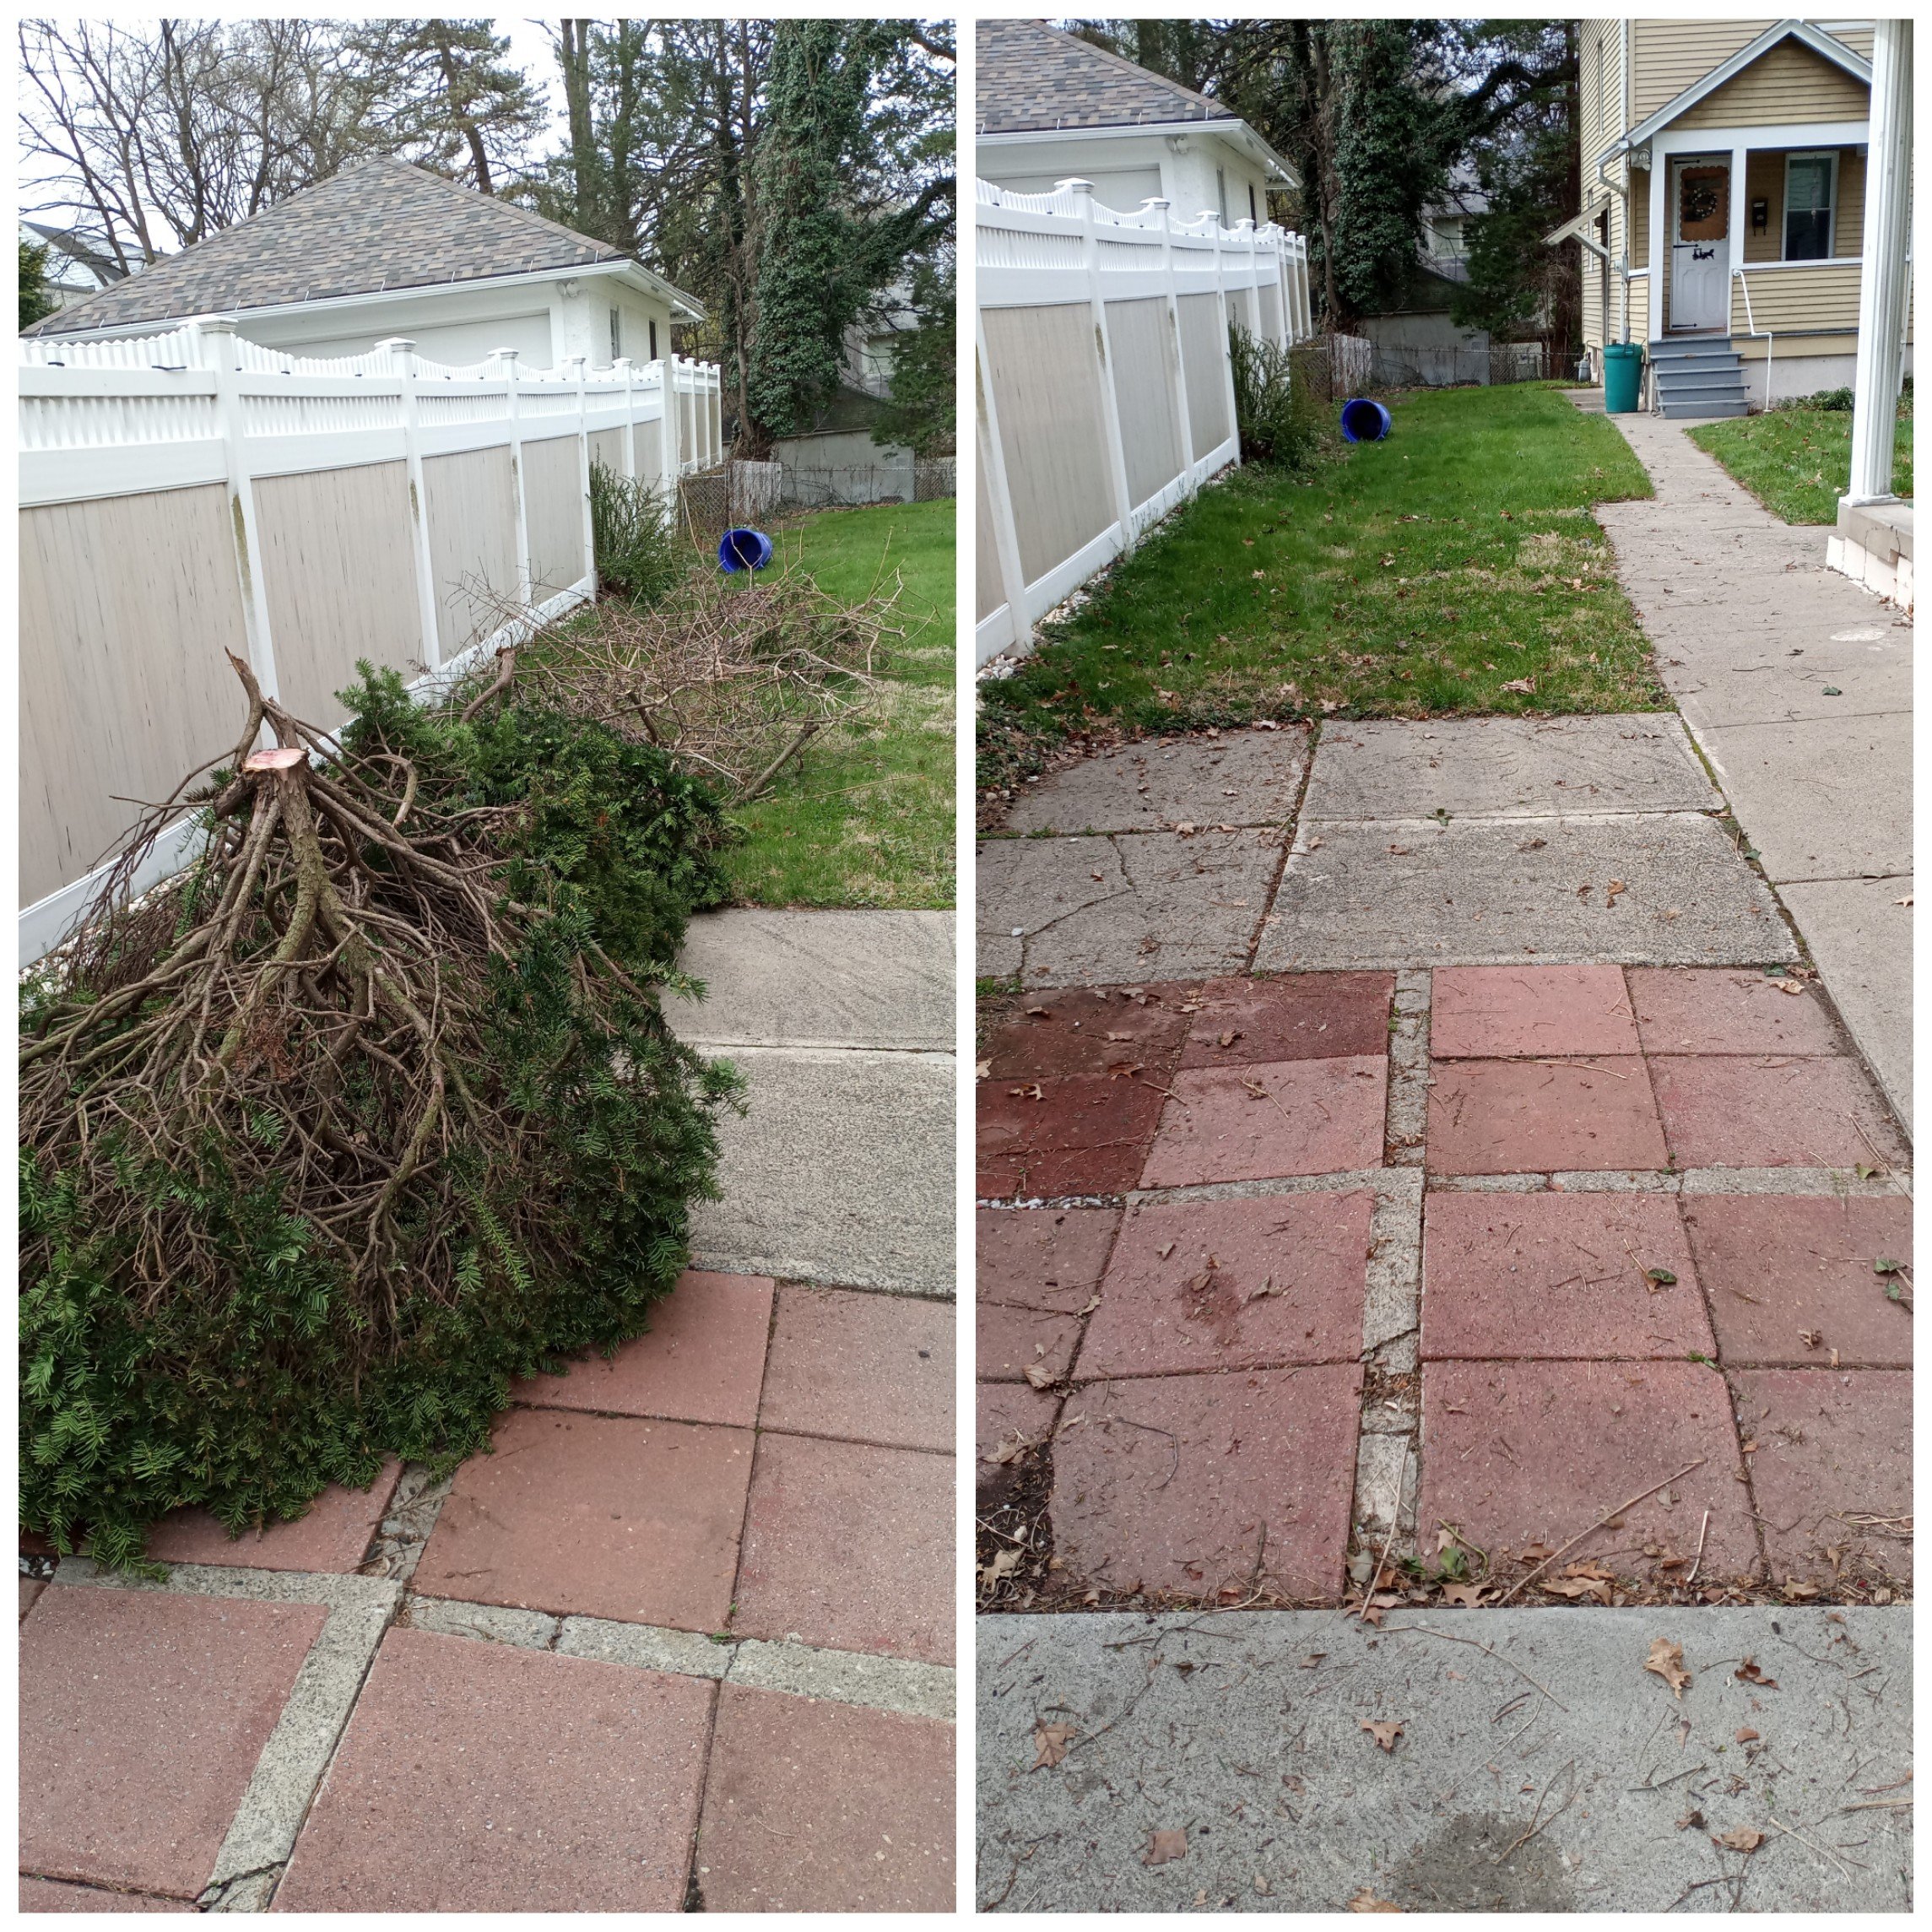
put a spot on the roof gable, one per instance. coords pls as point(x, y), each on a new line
point(1831, 49)
point(379, 226)
point(1033, 78)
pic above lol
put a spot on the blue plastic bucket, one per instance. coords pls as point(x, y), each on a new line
point(1364, 421)
point(744, 551)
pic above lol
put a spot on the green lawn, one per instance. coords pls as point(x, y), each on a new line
point(1424, 575)
point(866, 817)
point(1798, 463)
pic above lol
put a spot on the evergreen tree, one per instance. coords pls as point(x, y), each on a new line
point(36, 299)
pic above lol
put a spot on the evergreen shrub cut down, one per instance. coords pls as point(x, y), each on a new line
point(369, 1111)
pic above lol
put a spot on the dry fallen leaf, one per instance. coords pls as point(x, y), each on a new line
point(1691, 1820)
point(1039, 1375)
point(1463, 1596)
point(1365, 1901)
point(1384, 1733)
point(1748, 1673)
point(1740, 1838)
point(1002, 1566)
point(1163, 1847)
point(1051, 1740)
point(1163, 1253)
point(1747, 1736)
point(1666, 1660)
point(982, 1069)
point(1528, 685)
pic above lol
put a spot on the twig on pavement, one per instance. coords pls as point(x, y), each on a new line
point(1596, 1526)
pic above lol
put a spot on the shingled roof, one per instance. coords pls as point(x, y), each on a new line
point(380, 225)
point(1033, 79)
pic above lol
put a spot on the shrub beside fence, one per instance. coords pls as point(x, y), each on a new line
point(190, 494)
point(1105, 393)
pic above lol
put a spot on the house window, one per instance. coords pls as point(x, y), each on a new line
point(616, 333)
point(1253, 213)
point(1810, 188)
point(653, 339)
point(1221, 190)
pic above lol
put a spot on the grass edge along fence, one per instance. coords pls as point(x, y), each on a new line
point(1105, 393)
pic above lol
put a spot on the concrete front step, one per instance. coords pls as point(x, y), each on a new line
point(1698, 376)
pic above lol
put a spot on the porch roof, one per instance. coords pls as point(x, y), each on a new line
point(1827, 46)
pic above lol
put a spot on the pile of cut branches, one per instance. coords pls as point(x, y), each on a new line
point(732, 677)
point(368, 1111)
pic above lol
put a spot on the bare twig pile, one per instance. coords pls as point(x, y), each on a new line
point(731, 677)
point(355, 1110)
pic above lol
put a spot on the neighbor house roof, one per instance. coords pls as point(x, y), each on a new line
point(1827, 46)
point(380, 226)
point(1032, 78)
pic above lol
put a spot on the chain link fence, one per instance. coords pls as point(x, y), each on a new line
point(716, 500)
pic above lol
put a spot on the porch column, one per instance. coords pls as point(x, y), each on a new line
point(1882, 290)
point(1659, 174)
point(1734, 245)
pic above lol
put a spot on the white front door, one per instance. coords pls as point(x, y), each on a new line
point(1700, 245)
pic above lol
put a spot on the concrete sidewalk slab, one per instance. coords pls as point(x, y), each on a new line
point(1474, 893)
point(1244, 1732)
point(1720, 585)
point(818, 979)
point(1846, 786)
point(1237, 778)
point(1507, 767)
point(483, 1778)
point(1163, 906)
point(1859, 931)
point(843, 1171)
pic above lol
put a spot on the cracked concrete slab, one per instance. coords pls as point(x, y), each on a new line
point(1507, 767)
point(1538, 1766)
point(1164, 906)
point(1235, 778)
point(1845, 787)
point(1858, 930)
point(818, 979)
point(1520, 891)
point(841, 1172)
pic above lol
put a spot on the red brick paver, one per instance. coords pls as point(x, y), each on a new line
point(1043, 1257)
point(822, 1807)
point(849, 1547)
point(1790, 1278)
point(45, 1895)
point(1086, 1134)
point(1235, 1284)
point(702, 1360)
point(1008, 1341)
point(141, 1714)
point(1529, 1117)
point(1547, 1274)
point(1501, 1012)
point(333, 1535)
point(1520, 1453)
point(1085, 1032)
point(479, 1777)
point(599, 1515)
point(872, 1368)
point(1298, 1016)
point(1831, 1470)
point(1007, 1411)
point(1181, 1484)
point(1270, 1120)
point(1727, 1010)
point(1764, 1110)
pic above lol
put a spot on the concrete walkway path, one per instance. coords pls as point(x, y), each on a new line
point(1533, 1764)
point(1797, 686)
point(842, 1024)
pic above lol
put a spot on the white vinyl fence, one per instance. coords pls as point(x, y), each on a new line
point(1105, 393)
point(190, 494)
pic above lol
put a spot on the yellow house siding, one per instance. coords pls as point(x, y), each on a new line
point(1821, 295)
point(1764, 180)
point(1788, 84)
point(1670, 56)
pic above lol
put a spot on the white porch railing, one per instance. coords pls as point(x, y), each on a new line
point(1106, 392)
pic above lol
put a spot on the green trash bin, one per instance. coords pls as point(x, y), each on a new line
point(1623, 370)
